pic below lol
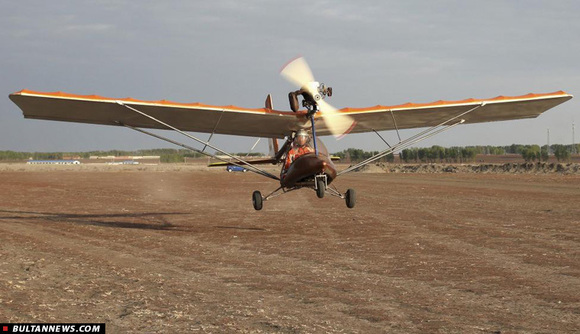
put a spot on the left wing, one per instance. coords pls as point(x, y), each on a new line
point(195, 117)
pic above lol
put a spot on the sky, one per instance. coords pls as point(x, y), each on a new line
point(231, 52)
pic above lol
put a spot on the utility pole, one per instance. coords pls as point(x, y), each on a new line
point(548, 141)
point(573, 139)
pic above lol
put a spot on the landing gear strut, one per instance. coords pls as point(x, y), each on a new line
point(320, 185)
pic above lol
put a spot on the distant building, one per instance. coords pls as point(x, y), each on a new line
point(53, 162)
point(125, 160)
point(125, 157)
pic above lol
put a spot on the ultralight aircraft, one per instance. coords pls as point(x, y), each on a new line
point(314, 169)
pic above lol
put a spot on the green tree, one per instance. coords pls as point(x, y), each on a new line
point(468, 154)
point(410, 154)
point(561, 152)
point(544, 153)
point(531, 152)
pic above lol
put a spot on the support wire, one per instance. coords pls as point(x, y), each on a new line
point(241, 162)
point(430, 132)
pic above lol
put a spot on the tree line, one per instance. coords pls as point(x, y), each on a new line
point(458, 154)
point(165, 154)
point(425, 155)
point(357, 155)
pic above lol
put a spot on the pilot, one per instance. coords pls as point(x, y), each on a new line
point(298, 148)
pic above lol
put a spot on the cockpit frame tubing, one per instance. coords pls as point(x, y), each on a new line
point(314, 135)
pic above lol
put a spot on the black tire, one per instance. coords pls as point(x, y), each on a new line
point(320, 188)
point(350, 198)
point(257, 200)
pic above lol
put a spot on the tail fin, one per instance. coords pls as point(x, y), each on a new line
point(273, 142)
point(269, 104)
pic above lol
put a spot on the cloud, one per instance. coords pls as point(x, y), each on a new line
point(88, 28)
point(229, 52)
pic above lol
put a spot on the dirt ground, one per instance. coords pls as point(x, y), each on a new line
point(175, 250)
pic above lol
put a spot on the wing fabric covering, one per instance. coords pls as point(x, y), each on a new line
point(410, 115)
point(193, 117)
point(270, 123)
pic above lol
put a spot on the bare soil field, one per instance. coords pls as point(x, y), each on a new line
point(182, 250)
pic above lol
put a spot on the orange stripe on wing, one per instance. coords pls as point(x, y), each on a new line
point(410, 105)
point(158, 102)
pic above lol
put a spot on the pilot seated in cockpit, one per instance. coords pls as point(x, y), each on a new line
point(299, 148)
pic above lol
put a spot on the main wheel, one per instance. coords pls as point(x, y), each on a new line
point(257, 200)
point(320, 188)
point(350, 198)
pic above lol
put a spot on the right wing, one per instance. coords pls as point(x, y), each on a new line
point(422, 115)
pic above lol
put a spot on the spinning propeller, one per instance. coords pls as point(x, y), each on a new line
point(298, 72)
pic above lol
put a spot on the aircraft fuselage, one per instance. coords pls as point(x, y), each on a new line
point(305, 167)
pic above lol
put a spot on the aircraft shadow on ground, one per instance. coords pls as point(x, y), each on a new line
point(152, 220)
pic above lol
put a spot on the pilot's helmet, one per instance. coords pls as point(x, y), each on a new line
point(301, 137)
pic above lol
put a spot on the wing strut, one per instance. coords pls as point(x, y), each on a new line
point(241, 162)
point(395, 123)
point(378, 134)
point(430, 132)
point(214, 128)
point(253, 147)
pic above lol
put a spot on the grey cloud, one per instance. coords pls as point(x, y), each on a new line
point(229, 52)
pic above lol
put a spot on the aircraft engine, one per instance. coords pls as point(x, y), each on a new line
point(293, 97)
point(298, 72)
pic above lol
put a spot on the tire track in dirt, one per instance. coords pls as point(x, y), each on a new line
point(215, 286)
point(327, 269)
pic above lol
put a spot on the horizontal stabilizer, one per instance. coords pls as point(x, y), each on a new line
point(251, 162)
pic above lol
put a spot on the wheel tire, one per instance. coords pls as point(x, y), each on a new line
point(350, 198)
point(320, 188)
point(257, 200)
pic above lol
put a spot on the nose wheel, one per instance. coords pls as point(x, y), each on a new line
point(320, 186)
